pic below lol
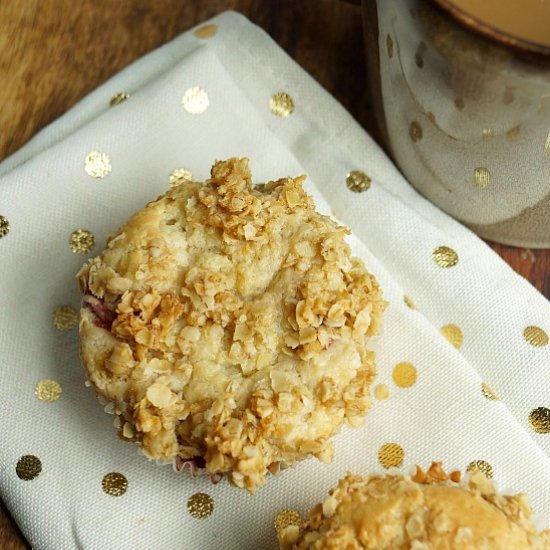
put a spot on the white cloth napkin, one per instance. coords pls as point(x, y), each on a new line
point(46, 194)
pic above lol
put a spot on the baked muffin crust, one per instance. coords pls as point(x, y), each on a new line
point(424, 512)
point(228, 322)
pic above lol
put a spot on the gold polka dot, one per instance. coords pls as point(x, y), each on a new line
point(408, 302)
point(482, 466)
point(97, 165)
point(487, 132)
point(65, 318)
point(195, 100)
point(482, 177)
point(539, 419)
point(415, 131)
point(81, 241)
point(419, 55)
point(508, 95)
point(547, 145)
point(206, 31)
point(391, 455)
point(28, 467)
point(119, 98)
point(513, 133)
point(114, 484)
point(453, 334)
point(179, 176)
point(281, 104)
point(382, 392)
point(285, 518)
point(200, 505)
point(4, 226)
point(389, 46)
point(488, 392)
point(404, 374)
point(47, 390)
point(357, 181)
point(535, 336)
point(444, 256)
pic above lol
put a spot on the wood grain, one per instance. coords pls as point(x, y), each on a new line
point(54, 52)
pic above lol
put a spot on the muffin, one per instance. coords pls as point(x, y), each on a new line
point(428, 511)
point(226, 325)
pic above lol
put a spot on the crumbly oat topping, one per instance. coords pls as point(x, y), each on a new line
point(229, 322)
point(426, 512)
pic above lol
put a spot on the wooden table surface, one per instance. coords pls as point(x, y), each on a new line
point(53, 52)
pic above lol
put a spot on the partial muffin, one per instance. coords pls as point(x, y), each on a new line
point(428, 511)
point(227, 324)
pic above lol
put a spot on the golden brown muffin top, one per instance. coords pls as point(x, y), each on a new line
point(228, 321)
point(425, 512)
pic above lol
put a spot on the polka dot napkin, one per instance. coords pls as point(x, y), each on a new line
point(463, 356)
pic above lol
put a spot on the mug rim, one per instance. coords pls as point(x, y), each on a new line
point(484, 28)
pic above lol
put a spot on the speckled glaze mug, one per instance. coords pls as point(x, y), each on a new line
point(465, 111)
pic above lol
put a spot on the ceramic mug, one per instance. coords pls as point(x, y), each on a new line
point(465, 112)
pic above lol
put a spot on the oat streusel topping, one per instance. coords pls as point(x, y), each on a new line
point(428, 511)
point(229, 322)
